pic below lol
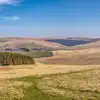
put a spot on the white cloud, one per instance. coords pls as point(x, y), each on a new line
point(14, 18)
point(9, 2)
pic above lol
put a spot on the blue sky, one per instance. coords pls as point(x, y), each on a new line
point(50, 18)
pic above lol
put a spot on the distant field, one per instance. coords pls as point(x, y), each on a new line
point(38, 54)
point(74, 57)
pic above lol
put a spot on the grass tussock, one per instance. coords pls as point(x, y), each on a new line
point(13, 90)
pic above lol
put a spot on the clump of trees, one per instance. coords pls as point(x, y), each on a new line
point(8, 58)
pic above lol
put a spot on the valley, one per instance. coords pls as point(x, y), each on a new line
point(60, 72)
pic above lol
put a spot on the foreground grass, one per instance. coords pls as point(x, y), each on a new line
point(34, 93)
point(81, 85)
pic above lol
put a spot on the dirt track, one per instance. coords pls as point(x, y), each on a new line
point(41, 69)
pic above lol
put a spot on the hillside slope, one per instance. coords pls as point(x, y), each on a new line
point(75, 57)
point(43, 43)
point(16, 43)
point(95, 44)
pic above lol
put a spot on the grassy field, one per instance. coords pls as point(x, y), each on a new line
point(39, 54)
point(53, 81)
point(74, 57)
point(78, 85)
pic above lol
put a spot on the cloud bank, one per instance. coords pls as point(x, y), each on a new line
point(9, 2)
point(14, 18)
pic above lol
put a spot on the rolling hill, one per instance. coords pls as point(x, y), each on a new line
point(17, 43)
point(46, 43)
point(95, 44)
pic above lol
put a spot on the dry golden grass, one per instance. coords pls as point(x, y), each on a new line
point(12, 90)
point(74, 57)
point(82, 85)
point(80, 82)
point(41, 69)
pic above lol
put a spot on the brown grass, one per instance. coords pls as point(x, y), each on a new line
point(74, 57)
point(42, 69)
point(12, 90)
point(84, 85)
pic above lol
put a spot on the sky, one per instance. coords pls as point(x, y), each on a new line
point(50, 18)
